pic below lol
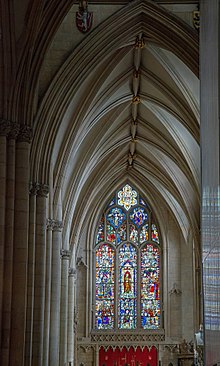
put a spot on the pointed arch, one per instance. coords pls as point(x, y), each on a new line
point(128, 280)
point(158, 26)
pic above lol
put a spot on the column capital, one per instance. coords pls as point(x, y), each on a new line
point(25, 134)
point(14, 130)
point(72, 273)
point(65, 254)
point(34, 188)
point(43, 190)
point(54, 225)
point(38, 189)
point(49, 224)
point(5, 127)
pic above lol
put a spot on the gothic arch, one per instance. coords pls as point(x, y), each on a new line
point(57, 120)
point(140, 17)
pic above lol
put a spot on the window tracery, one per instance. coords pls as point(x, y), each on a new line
point(127, 255)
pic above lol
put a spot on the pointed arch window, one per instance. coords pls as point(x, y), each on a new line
point(128, 257)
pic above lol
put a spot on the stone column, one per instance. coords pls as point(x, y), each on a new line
point(9, 231)
point(65, 255)
point(71, 302)
point(48, 292)
point(34, 187)
point(39, 276)
point(4, 130)
point(55, 294)
point(20, 255)
point(97, 355)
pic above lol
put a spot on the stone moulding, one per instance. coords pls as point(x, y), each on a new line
point(127, 338)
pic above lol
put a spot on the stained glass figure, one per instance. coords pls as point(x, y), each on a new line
point(100, 233)
point(105, 258)
point(144, 234)
point(116, 216)
point(127, 197)
point(111, 234)
point(154, 233)
point(133, 233)
point(127, 287)
point(150, 290)
point(121, 234)
point(139, 216)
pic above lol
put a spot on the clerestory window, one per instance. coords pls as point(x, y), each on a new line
point(127, 265)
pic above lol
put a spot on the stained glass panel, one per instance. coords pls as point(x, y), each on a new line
point(116, 216)
point(133, 233)
point(105, 257)
point(154, 233)
point(142, 202)
point(139, 216)
point(112, 202)
point(144, 234)
point(127, 197)
point(100, 234)
point(127, 287)
point(150, 290)
point(110, 234)
point(121, 235)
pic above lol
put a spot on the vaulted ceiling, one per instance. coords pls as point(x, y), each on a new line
point(123, 106)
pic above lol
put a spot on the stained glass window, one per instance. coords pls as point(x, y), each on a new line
point(127, 237)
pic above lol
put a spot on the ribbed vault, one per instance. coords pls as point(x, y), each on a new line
point(124, 106)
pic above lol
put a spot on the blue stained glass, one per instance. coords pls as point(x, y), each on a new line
point(121, 234)
point(150, 287)
point(104, 314)
point(100, 234)
point(127, 316)
point(139, 216)
point(142, 202)
point(127, 251)
point(105, 287)
point(116, 216)
point(127, 287)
